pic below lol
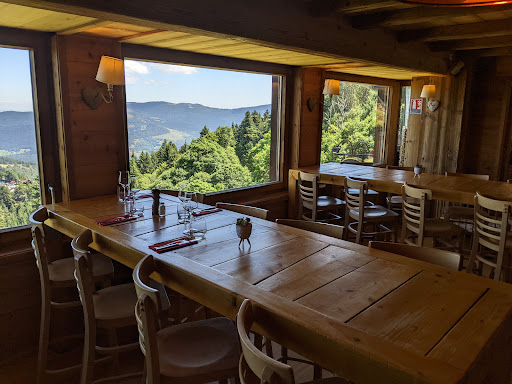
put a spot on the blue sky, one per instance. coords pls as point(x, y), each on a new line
point(15, 82)
point(148, 82)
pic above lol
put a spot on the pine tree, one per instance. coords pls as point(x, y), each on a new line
point(204, 131)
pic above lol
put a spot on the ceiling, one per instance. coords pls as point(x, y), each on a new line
point(463, 31)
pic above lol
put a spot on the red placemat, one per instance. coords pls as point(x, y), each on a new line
point(115, 220)
point(172, 244)
point(145, 196)
point(206, 211)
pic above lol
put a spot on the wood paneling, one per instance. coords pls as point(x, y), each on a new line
point(94, 142)
point(433, 137)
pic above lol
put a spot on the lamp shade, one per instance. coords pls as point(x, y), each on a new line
point(331, 87)
point(428, 91)
point(111, 71)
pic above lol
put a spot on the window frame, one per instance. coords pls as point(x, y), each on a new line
point(394, 106)
point(39, 44)
point(175, 57)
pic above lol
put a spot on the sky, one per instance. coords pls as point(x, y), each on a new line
point(147, 81)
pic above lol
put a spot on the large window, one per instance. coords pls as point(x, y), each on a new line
point(215, 129)
point(19, 172)
point(355, 124)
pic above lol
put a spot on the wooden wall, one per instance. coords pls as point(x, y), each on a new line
point(486, 145)
point(93, 143)
point(433, 137)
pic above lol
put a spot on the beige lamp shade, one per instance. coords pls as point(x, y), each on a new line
point(111, 71)
point(428, 91)
point(331, 87)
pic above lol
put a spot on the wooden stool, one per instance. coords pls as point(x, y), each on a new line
point(414, 205)
point(256, 367)
point(57, 274)
point(309, 199)
point(491, 238)
point(108, 308)
point(363, 214)
point(196, 352)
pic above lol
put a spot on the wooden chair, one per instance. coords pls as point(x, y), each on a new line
point(394, 202)
point(196, 352)
point(109, 308)
point(53, 274)
point(315, 204)
point(357, 209)
point(441, 257)
point(491, 237)
point(260, 213)
point(322, 228)
point(414, 210)
point(256, 367)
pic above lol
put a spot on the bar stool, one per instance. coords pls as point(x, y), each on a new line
point(363, 214)
point(309, 199)
point(256, 367)
point(414, 205)
point(54, 274)
point(196, 352)
point(491, 237)
point(109, 308)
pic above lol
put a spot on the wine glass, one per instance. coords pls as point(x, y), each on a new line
point(184, 188)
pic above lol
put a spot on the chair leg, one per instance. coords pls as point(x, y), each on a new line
point(44, 340)
point(113, 342)
point(284, 354)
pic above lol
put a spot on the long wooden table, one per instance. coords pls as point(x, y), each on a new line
point(368, 315)
point(446, 188)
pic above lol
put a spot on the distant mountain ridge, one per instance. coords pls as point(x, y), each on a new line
point(148, 125)
point(152, 122)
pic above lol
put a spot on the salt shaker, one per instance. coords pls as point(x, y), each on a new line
point(156, 202)
point(161, 210)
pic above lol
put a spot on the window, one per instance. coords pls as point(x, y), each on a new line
point(354, 124)
point(215, 129)
point(20, 192)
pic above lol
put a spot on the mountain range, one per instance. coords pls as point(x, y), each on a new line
point(148, 125)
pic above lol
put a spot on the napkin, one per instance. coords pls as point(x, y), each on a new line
point(115, 220)
point(172, 244)
point(206, 211)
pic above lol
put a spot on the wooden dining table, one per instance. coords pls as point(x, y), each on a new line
point(367, 315)
point(445, 188)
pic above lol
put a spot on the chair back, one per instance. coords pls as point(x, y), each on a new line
point(312, 226)
point(308, 195)
point(255, 362)
point(400, 168)
point(146, 313)
point(260, 213)
point(472, 176)
point(414, 206)
point(355, 202)
point(447, 259)
point(40, 251)
point(491, 222)
point(86, 289)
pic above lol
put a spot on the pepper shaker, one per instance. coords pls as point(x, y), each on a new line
point(156, 201)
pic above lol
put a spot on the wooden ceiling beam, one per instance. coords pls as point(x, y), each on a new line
point(460, 31)
point(470, 44)
point(357, 6)
point(84, 27)
point(419, 14)
point(273, 23)
point(142, 34)
point(503, 51)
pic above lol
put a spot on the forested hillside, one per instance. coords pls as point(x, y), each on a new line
point(224, 158)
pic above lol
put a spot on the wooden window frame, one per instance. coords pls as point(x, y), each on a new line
point(39, 44)
point(394, 105)
point(282, 108)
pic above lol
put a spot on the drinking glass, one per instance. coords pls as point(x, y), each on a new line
point(124, 182)
point(183, 214)
point(191, 198)
point(184, 188)
point(198, 227)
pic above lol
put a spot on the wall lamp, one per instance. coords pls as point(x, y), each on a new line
point(331, 87)
point(110, 72)
point(428, 92)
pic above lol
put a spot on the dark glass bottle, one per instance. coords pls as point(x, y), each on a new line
point(156, 201)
